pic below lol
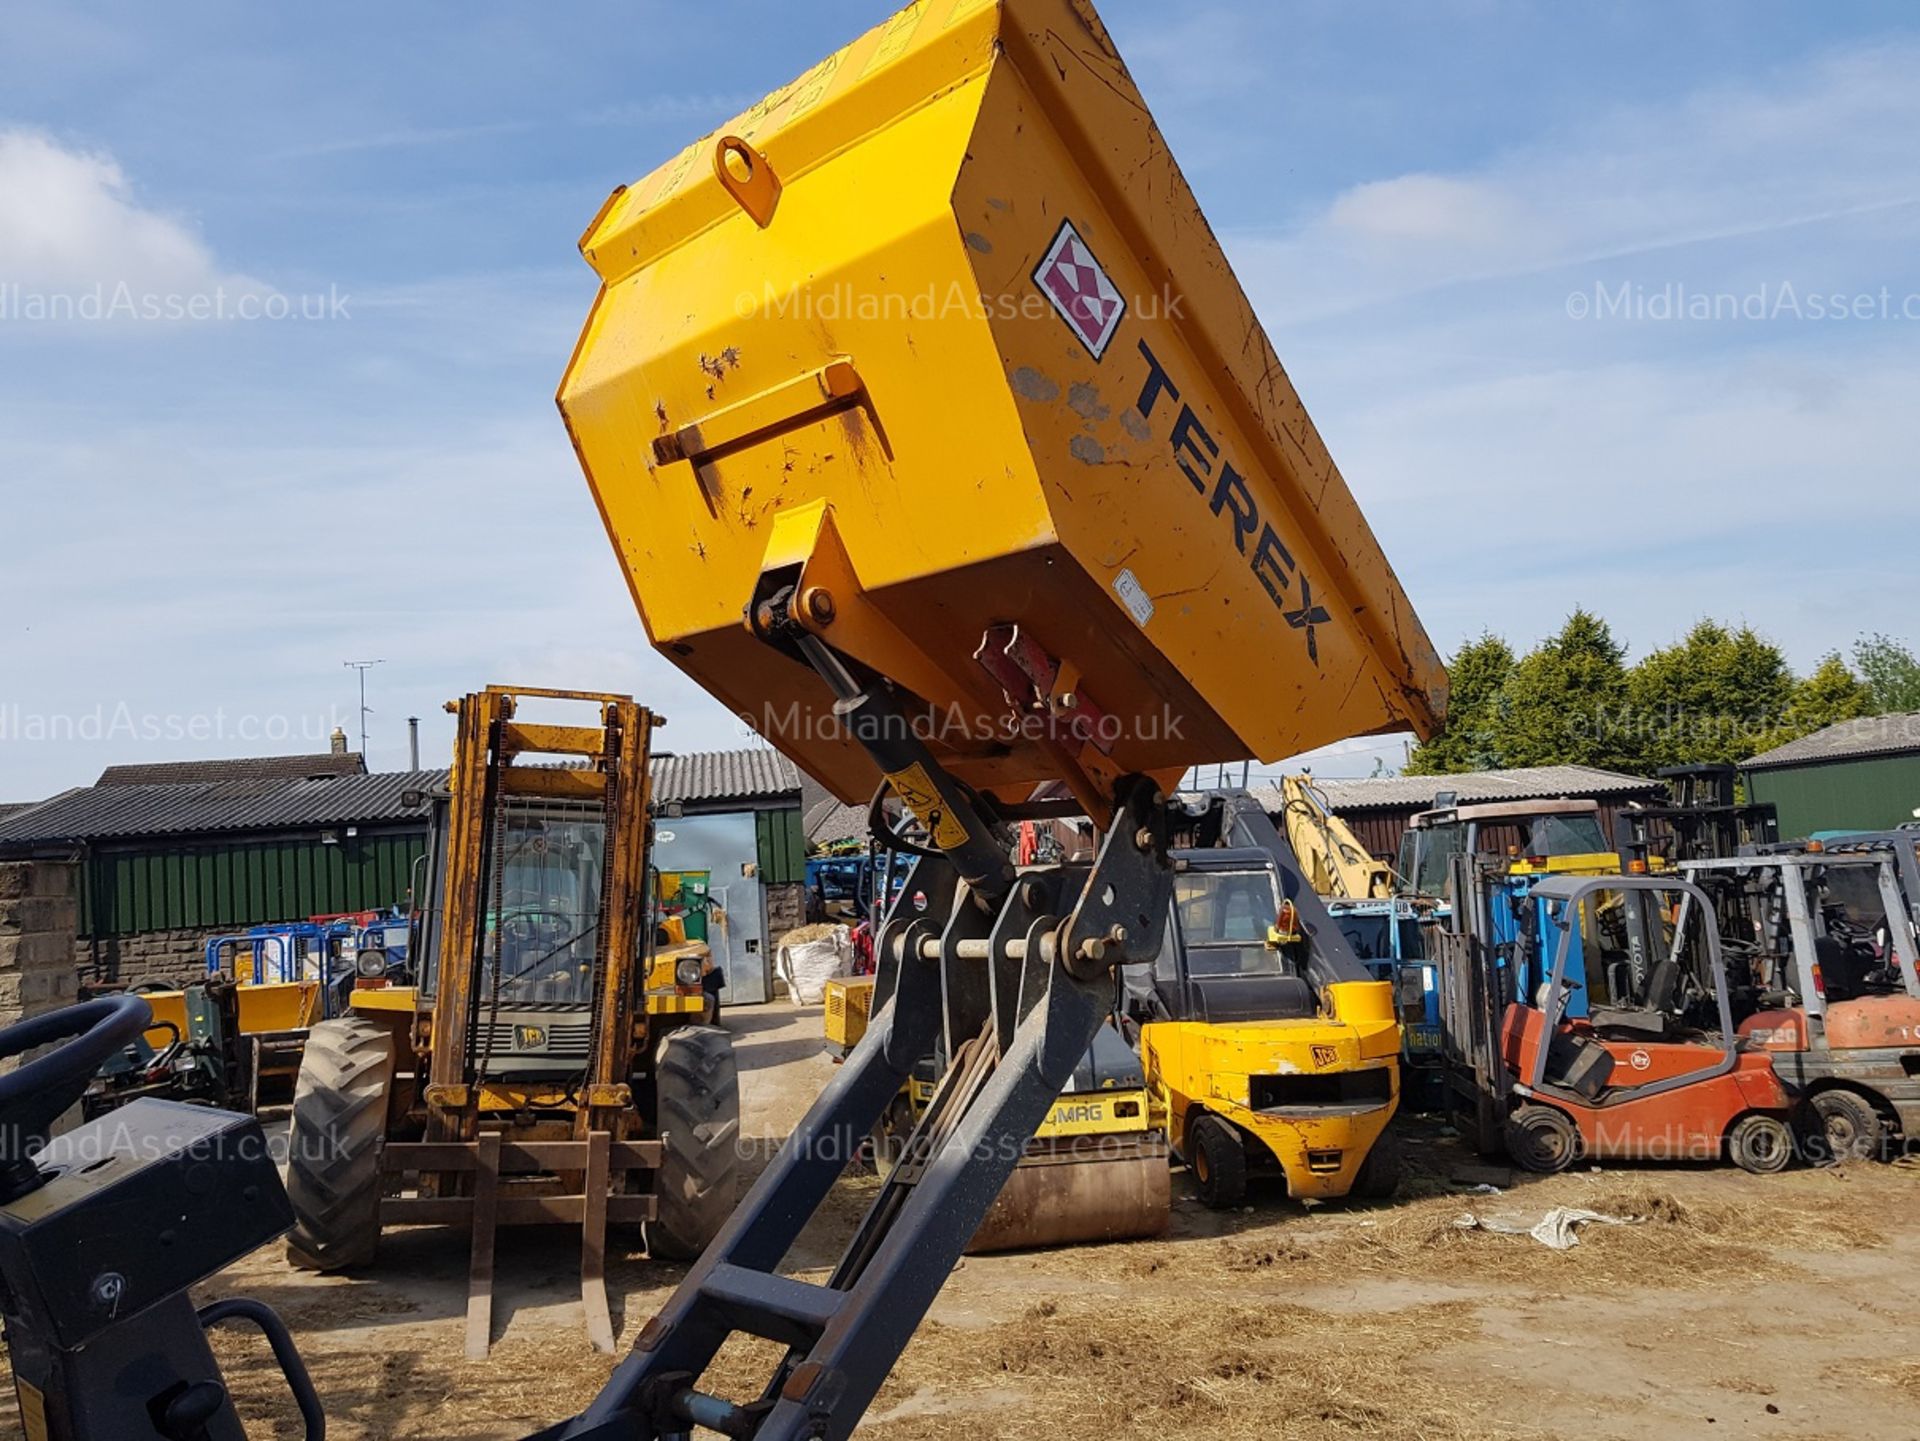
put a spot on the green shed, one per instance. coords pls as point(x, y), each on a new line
point(171, 855)
point(1857, 775)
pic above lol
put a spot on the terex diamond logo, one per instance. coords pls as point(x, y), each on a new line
point(1079, 290)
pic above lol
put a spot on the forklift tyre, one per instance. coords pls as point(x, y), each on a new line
point(333, 1144)
point(1542, 1139)
point(1218, 1160)
point(1379, 1175)
point(697, 1096)
point(1761, 1144)
point(1844, 1127)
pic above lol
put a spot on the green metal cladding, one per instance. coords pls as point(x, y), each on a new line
point(230, 885)
point(1870, 793)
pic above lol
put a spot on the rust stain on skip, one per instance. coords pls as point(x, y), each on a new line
point(1032, 385)
point(1084, 399)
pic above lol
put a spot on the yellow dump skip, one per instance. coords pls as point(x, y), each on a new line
point(940, 329)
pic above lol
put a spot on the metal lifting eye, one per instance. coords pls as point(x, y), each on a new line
point(748, 178)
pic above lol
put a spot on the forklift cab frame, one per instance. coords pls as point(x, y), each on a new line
point(1561, 898)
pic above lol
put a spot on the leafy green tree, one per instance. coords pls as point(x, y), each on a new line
point(1833, 693)
point(1708, 698)
point(1891, 672)
point(1477, 672)
point(1566, 703)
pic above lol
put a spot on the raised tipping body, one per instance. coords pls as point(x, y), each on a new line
point(929, 369)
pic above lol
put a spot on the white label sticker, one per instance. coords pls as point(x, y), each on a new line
point(1134, 596)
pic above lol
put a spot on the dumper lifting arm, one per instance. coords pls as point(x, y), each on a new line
point(1014, 973)
point(1075, 530)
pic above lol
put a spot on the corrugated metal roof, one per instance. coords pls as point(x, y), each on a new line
point(700, 776)
point(1525, 783)
point(238, 768)
point(120, 812)
point(1868, 736)
point(830, 821)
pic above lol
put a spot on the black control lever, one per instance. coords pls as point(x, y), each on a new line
point(36, 1095)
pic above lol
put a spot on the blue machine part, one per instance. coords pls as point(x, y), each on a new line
point(1525, 942)
point(310, 950)
point(1386, 937)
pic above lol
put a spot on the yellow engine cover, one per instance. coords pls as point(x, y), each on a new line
point(940, 328)
point(1195, 1068)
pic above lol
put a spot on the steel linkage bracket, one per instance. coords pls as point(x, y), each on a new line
point(1121, 918)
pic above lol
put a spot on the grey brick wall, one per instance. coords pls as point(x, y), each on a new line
point(786, 909)
point(38, 917)
point(148, 956)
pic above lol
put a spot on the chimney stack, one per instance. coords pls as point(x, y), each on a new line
point(338, 741)
point(413, 742)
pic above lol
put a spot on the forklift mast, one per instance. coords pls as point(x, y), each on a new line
point(600, 942)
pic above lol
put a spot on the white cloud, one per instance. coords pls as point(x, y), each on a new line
point(1805, 150)
point(1425, 210)
point(1518, 460)
point(70, 220)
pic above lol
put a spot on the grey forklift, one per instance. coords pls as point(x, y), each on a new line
point(1824, 937)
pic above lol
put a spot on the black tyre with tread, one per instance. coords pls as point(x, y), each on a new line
point(1218, 1159)
point(1542, 1139)
point(333, 1142)
point(1846, 1127)
point(1379, 1175)
point(697, 1101)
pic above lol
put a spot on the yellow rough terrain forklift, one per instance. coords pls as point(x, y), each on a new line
point(551, 1064)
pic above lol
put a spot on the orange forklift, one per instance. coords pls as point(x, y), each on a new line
point(1654, 1070)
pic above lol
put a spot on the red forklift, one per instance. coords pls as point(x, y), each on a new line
point(1648, 1068)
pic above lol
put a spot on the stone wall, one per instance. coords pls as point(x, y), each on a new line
point(149, 956)
point(786, 909)
point(38, 916)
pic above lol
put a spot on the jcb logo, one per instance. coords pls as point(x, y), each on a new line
point(1324, 1056)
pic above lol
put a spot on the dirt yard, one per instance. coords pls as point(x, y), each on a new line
point(1732, 1305)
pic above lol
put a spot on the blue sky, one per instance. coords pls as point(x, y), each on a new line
point(204, 519)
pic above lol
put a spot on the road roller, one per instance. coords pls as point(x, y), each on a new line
point(1097, 1166)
